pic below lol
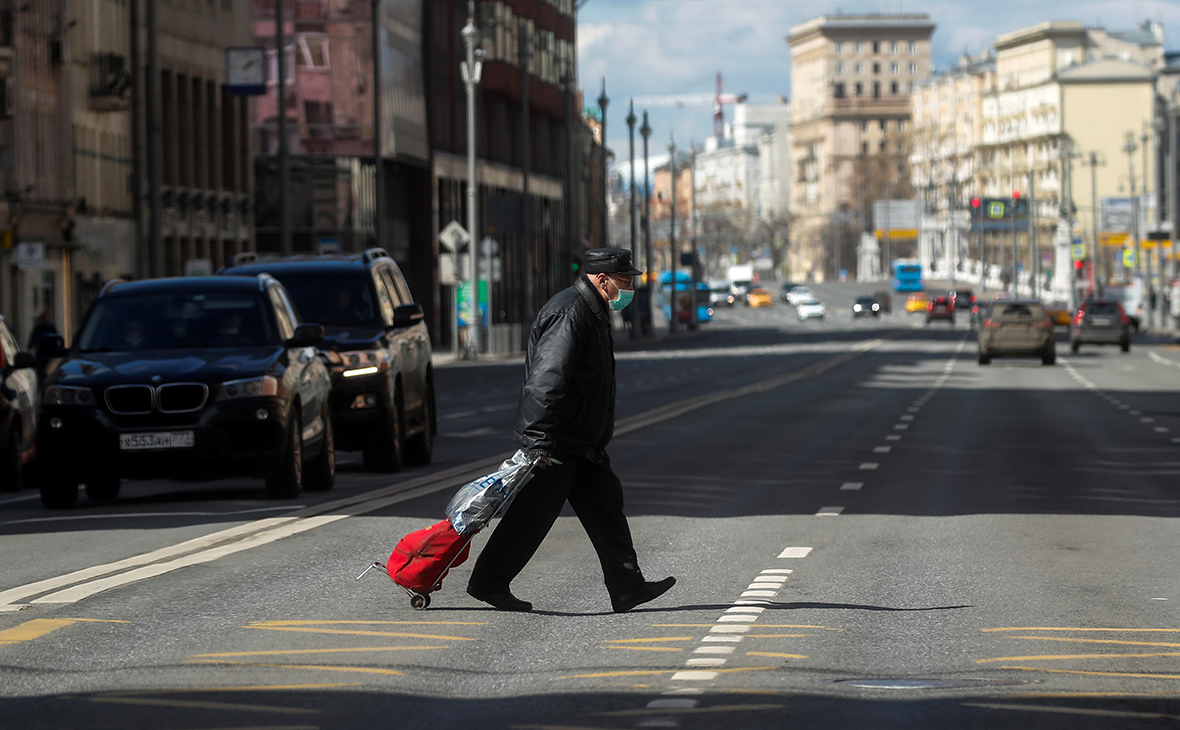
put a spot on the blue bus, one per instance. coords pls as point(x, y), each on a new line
point(684, 298)
point(907, 276)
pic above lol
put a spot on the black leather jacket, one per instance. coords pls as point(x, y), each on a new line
point(567, 402)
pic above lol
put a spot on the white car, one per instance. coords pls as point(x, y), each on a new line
point(799, 294)
point(809, 308)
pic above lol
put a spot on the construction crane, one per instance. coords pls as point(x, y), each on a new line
point(718, 100)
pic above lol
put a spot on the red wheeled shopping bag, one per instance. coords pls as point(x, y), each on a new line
point(421, 559)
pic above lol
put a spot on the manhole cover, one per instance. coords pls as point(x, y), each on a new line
point(926, 683)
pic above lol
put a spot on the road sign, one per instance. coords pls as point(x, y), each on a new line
point(1129, 257)
point(1078, 251)
point(30, 255)
point(454, 236)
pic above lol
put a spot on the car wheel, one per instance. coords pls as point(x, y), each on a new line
point(58, 492)
point(1075, 346)
point(420, 448)
point(103, 488)
point(385, 453)
point(985, 359)
point(11, 471)
point(320, 473)
point(1125, 345)
point(1049, 358)
point(287, 482)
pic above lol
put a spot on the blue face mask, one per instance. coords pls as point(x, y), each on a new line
point(621, 301)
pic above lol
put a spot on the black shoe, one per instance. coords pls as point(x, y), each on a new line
point(642, 593)
point(503, 600)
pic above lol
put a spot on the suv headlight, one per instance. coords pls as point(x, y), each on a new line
point(267, 385)
point(68, 395)
point(353, 363)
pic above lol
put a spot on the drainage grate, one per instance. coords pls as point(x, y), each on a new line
point(927, 683)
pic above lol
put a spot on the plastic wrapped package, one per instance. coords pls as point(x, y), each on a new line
point(478, 501)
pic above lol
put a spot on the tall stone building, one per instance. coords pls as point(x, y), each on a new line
point(851, 80)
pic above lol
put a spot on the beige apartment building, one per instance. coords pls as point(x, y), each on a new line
point(851, 80)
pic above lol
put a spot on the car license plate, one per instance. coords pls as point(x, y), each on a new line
point(1100, 321)
point(153, 441)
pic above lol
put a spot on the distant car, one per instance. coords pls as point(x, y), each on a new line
point(18, 409)
point(203, 377)
point(1059, 313)
point(1101, 322)
point(799, 293)
point(759, 297)
point(962, 299)
point(721, 294)
point(1013, 328)
point(916, 303)
point(810, 309)
point(940, 308)
point(786, 289)
point(885, 300)
point(741, 290)
point(866, 305)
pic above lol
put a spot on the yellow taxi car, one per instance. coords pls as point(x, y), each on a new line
point(1059, 313)
point(759, 297)
point(916, 303)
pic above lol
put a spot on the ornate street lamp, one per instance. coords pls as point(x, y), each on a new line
point(603, 103)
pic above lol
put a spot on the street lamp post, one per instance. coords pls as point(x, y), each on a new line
point(378, 160)
point(645, 131)
point(284, 156)
point(603, 103)
point(1129, 147)
point(672, 239)
point(471, 73)
point(1173, 121)
point(631, 119)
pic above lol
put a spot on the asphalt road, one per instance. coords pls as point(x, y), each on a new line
point(868, 529)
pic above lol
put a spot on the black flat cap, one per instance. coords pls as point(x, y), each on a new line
point(610, 261)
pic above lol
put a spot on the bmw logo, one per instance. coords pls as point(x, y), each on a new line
point(156, 378)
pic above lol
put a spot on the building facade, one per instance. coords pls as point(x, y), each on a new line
point(851, 80)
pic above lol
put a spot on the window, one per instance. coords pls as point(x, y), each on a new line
point(859, 68)
point(839, 90)
point(894, 68)
point(893, 89)
point(913, 48)
point(876, 47)
point(859, 88)
point(876, 89)
point(864, 125)
point(884, 125)
point(893, 47)
point(882, 146)
point(840, 68)
point(859, 47)
point(840, 47)
point(864, 148)
point(876, 67)
point(913, 68)
point(901, 125)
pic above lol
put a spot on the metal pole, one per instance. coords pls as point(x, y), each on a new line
point(154, 167)
point(672, 240)
point(1173, 197)
point(603, 103)
point(378, 158)
point(1034, 251)
point(645, 132)
point(284, 153)
point(1129, 147)
point(471, 77)
point(1015, 281)
point(631, 119)
point(1094, 223)
point(694, 315)
point(525, 56)
point(952, 232)
point(1150, 284)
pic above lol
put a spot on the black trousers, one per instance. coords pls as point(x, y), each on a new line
point(596, 495)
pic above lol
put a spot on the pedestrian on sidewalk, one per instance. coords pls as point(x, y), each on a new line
point(567, 413)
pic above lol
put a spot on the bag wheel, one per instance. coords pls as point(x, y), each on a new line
point(419, 601)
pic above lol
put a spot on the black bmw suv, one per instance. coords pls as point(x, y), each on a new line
point(194, 378)
point(377, 346)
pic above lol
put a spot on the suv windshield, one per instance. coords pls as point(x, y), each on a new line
point(165, 321)
point(341, 299)
point(1103, 308)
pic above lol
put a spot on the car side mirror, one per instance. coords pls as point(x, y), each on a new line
point(408, 315)
point(52, 346)
point(307, 335)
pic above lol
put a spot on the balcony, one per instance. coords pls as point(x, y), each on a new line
point(867, 106)
point(110, 83)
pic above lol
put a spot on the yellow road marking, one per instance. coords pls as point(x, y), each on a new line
point(648, 648)
point(1119, 642)
point(637, 641)
point(99, 620)
point(314, 651)
point(242, 688)
point(1074, 711)
point(1097, 674)
point(771, 653)
point(256, 624)
point(687, 710)
point(362, 633)
point(1054, 657)
point(199, 705)
point(1060, 628)
point(33, 629)
point(318, 667)
point(599, 675)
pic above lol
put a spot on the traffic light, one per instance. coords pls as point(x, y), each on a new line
point(1016, 195)
point(976, 202)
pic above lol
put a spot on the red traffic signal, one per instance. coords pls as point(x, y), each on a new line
point(1016, 195)
point(976, 202)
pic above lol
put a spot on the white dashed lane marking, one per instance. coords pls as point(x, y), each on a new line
point(882, 449)
point(795, 552)
point(869, 466)
point(829, 511)
point(851, 486)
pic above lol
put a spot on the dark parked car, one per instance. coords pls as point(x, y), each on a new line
point(196, 378)
point(940, 308)
point(866, 305)
point(1017, 329)
point(18, 409)
point(1101, 322)
point(377, 347)
point(962, 299)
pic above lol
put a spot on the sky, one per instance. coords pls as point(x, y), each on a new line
point(676, 47)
